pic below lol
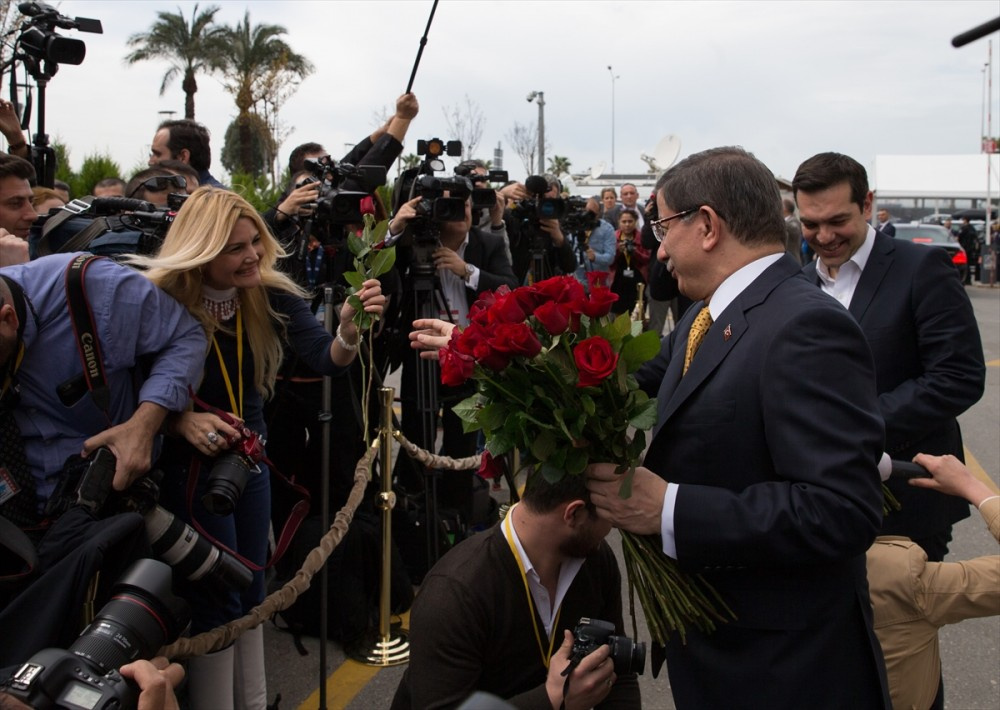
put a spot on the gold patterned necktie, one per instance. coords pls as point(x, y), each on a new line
point(702, 322)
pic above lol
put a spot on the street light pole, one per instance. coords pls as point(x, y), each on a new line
point(539, 98)
point(613, 77)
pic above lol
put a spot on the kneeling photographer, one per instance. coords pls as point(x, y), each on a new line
point(539, 247)
point(475, 623)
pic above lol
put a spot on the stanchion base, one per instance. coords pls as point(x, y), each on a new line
point(373, 650)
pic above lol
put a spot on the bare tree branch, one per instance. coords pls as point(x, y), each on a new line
point(523, 138)
point(466, 124)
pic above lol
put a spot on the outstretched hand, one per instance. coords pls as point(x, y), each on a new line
point(430, 335)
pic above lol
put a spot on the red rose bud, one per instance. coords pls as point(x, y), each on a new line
point(597, 279)
point(595, 360)
point(599, 303)
point(561, 289)
point(465, 341)
point(456, 368)
point(516, 339)
point(489, 468)
point(553, 316)
point(527, 299)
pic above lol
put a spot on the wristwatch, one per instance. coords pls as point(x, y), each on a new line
point(469, 271)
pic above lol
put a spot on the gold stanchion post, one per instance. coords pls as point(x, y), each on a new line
point(390, 647)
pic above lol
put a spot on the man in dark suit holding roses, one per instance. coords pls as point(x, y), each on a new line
point(764, 484)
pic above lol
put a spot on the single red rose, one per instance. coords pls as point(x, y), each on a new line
point(489, 468)
point(456, 367)
point(598, 303)
point(595, 360)
point(597, 279)
point(561, 289)
point(553, 316)
point(465, 341)
point(507, 310)
point(516, 339)
point(527, 299)
point(489, 357)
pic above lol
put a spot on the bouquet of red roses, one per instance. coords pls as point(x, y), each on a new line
point(555, 381)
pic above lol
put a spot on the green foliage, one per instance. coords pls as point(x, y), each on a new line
point(95, 168)
point(262, 147)
point(259, 192)
point(64, 171)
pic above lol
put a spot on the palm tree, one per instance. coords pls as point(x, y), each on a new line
point(190, 48)
point(559, 165)
point(257, 60)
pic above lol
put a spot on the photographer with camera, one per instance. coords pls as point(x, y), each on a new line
point(537, 243)
point(447, 261)
point(220, 259)
point(631, 264)
point(595, 243)
point(475, 623)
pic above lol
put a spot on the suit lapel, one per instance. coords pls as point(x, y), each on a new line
point(720, 339)
point(875, 270)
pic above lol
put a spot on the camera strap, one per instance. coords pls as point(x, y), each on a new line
point(87, 343)
point(508, 531)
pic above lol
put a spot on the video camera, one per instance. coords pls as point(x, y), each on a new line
point(527, 212)
point(341, 189)
point(434, 207)
point(483, 198)
point(578, 219)
point(87, 483)
point(142, 616)
point(107, 226)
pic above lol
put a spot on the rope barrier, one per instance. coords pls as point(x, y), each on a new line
point(222, 636)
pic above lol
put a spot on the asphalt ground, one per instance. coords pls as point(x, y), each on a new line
point(970, 651)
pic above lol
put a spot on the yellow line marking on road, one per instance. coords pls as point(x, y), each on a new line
point(979, 472)
point(343, 685)
point(993, 363)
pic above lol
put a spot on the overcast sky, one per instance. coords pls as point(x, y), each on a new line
point(785, 80)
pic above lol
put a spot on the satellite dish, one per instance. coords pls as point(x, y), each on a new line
point(569, 184)
point(666, 152)
point(597, 170)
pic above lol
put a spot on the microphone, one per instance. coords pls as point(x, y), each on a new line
point(114, 205)
point(536, 185)
point(908, 469)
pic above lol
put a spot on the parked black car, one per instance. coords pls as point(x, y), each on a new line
point(937, 237)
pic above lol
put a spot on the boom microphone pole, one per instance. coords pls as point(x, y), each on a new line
point(420, 51)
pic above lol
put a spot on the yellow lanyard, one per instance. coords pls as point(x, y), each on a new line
point(12, 371)
point(508, 533)
point(237, 408)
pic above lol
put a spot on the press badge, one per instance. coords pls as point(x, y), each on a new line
point(628, 273)
point(8, 486)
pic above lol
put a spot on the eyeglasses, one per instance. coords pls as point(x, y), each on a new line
point(159, 183)
point(660, 226)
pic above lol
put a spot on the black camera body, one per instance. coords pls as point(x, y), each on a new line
point(590, 634)
point(88, 483)
point(341, 189)
point(142, 616)
point(578, 219)
point(231, 471)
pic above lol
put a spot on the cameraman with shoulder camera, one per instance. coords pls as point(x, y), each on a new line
point(483, 600)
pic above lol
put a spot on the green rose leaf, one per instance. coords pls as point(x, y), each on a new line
point(383, 261)
point(640, 350)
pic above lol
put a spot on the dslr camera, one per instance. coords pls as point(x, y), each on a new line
point(87, 483)
point(231, 471)
point(589, 634)
point(142, 616)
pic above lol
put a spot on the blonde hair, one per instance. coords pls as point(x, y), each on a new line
point(199, 234)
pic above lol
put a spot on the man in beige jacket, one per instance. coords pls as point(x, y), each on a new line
point(913, 598)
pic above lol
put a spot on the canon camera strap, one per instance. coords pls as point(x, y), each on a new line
point(87, 343)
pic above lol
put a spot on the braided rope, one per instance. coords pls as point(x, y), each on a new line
point(279, 600)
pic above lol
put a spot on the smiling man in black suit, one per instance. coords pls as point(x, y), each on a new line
point(918, 322)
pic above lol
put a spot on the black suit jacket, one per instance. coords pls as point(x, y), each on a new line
point(779, 498)
point(929, 367)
